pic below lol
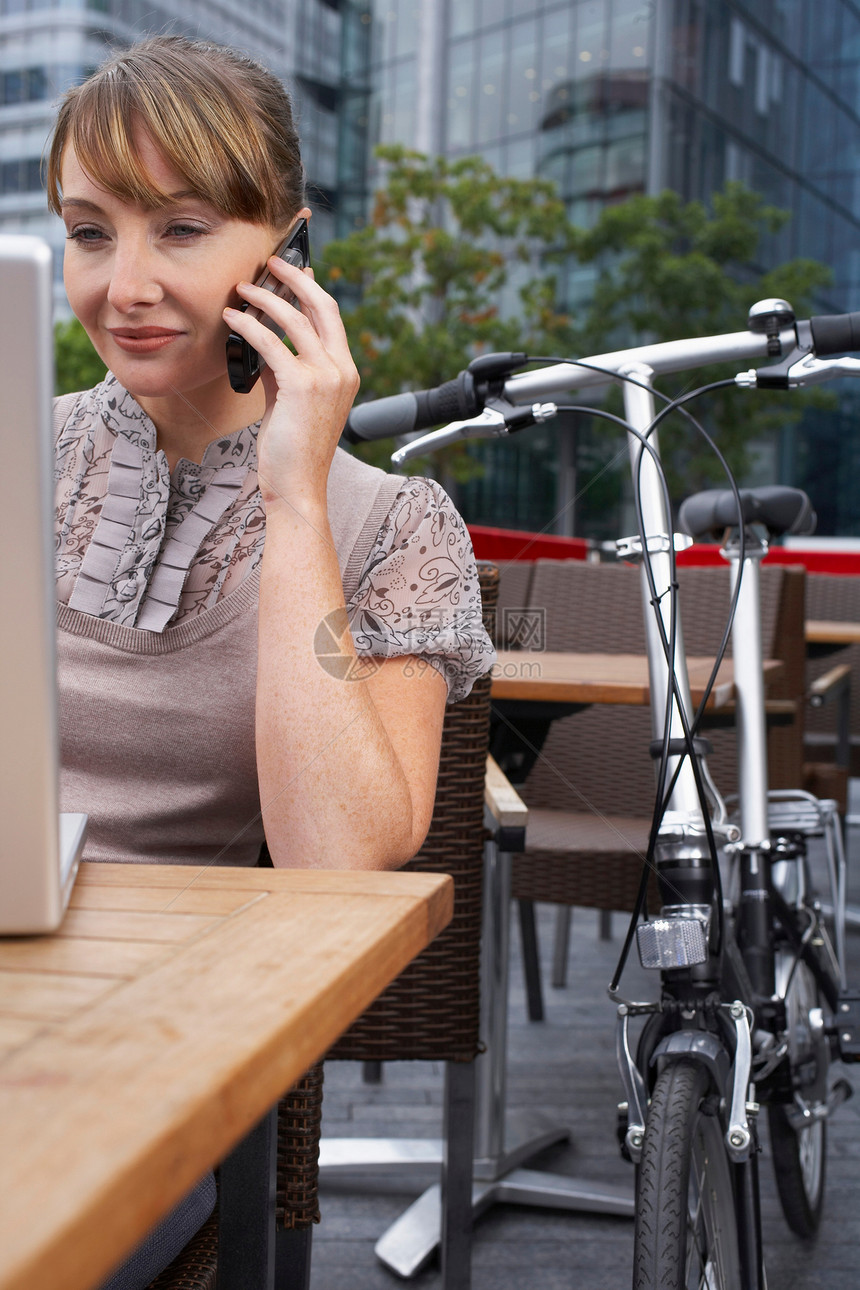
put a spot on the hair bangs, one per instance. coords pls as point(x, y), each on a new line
point(218, 120)
point(104, 141)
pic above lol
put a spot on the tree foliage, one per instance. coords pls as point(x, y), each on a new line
point(77, 365)
point(453, 262)
point(669, 269)
point(456, 260)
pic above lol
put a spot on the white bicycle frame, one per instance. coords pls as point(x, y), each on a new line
point(643, 364)
point(683, 832)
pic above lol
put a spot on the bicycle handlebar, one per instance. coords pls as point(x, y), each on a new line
point(835, 333)
point(400, 414)
point(463, 398)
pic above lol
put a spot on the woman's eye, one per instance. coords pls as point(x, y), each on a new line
point(185, 231)
point(85, 235)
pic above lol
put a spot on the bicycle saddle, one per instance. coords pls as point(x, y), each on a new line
point(780, 509)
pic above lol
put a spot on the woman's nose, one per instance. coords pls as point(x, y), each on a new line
point(134, 278)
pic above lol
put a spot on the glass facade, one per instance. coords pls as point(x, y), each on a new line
point(536, 88)
point(768, 94)
point(614, 97)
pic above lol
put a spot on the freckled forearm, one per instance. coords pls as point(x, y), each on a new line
point(332, 789)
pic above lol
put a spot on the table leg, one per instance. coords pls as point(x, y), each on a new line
point(458, 1134)
point(246, 1210)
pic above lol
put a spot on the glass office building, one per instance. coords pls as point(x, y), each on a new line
point(615, 97)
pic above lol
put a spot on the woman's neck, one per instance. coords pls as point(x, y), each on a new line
point(187, 423)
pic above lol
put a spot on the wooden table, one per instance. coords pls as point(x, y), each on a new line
point(602, 678)
point(820, 632)
point(532, 689)
point(145, 1039)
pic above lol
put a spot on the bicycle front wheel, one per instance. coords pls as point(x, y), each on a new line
point(686, 1231)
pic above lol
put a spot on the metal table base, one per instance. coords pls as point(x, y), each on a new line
point(503, 1141)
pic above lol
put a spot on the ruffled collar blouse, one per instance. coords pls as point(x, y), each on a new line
point(145, 547)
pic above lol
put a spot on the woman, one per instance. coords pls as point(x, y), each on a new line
point(205, 565)
point(213, 546)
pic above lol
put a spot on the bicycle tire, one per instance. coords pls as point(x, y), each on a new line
point(686, 1227)
point(799, 1154)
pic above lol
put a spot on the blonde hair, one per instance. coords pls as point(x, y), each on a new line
point(221, 120)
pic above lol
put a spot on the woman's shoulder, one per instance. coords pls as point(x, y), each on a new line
point(348, 471)
point(78, 410)
point(419, 591)
point(64, 407)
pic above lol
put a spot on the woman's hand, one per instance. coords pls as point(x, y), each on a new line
point(309, 393)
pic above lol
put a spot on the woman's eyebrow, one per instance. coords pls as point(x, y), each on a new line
point(171, 199)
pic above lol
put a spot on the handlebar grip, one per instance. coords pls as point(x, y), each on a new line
point(835, 333)
point(402, 413)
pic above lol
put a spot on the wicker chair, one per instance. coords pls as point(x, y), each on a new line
point(296, 1209)
point(835, 598)
point(581, 848)
point(431, 1012)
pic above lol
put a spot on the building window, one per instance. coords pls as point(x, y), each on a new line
point(23, 85)
point(23, 176)
point(23, 6)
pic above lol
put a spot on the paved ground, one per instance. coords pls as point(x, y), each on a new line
point(566, 1065)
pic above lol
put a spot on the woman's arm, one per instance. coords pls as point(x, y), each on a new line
point(347, 762)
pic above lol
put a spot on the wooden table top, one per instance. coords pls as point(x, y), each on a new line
point(142, 1041)
point(821, 632)
point(601, 678)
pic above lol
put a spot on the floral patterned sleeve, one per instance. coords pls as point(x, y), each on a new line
point(418, 592)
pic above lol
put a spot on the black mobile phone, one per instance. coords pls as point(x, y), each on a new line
point(244, 364)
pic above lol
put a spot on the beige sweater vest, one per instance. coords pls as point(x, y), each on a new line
point(157, 728)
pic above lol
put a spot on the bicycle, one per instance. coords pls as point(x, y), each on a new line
point(752, 1004)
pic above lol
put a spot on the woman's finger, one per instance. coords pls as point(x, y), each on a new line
point(261, 338)
point(316, 304)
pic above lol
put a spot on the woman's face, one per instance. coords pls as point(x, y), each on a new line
point(149, 286)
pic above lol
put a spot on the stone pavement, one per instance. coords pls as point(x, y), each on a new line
point(566, 1065)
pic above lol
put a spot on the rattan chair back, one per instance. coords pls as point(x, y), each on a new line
point(834, 598)
point(512, 606)
point(603, 751)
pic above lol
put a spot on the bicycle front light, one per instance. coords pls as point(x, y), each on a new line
point(677, 939)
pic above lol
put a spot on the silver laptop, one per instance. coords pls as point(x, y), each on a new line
point(39, 848)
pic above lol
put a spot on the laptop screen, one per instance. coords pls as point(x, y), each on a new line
point(32, 884)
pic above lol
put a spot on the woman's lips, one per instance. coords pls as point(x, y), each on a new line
point(143, 340)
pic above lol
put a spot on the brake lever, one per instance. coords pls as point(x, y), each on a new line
point(498, 419)
point(800, 368)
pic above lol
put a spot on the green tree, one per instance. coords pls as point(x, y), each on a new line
point(669, 269)
point(456, 261)
point(453, 262)
point(77, 365)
